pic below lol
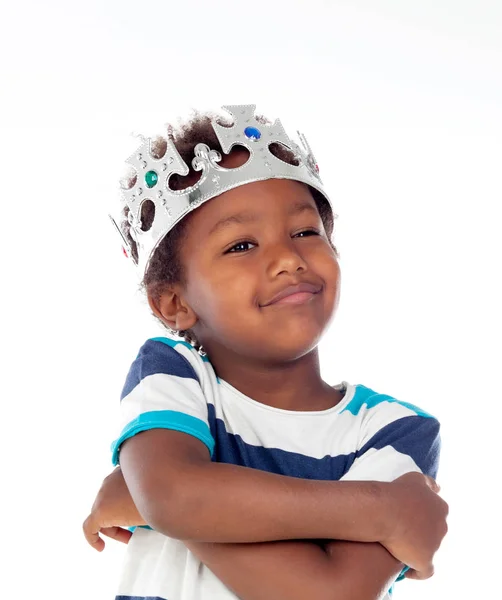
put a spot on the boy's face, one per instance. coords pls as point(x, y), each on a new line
point(244, 247)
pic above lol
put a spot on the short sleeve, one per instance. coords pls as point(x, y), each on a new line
point(162, 391)
point(396, 438)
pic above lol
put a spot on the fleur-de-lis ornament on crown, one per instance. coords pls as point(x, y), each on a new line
point(170, 206)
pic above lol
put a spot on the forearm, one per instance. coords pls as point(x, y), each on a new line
point(230, 504)
point(296, 570)
point(291, 570)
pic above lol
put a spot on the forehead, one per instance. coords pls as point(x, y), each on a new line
point(275, 199)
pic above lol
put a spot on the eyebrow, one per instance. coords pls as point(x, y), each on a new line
point(250, 217)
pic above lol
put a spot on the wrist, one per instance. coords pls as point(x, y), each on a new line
point(364, 511)
point(377, 521)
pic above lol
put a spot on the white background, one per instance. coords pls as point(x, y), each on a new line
point(401, 102)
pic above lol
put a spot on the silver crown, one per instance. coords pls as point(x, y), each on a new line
point(152, 175)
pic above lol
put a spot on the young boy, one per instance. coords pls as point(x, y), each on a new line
point(257, 478)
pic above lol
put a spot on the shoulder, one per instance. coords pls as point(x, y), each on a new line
point(388, 422)
point(162, 355)
point(366, 401)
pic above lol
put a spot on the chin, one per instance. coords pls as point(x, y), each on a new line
point(292, 347)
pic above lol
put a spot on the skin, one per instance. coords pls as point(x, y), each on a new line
point(267, 352)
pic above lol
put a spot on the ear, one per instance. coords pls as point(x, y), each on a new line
point(171, 308)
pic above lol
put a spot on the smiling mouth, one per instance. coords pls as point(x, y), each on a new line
point(295, 299)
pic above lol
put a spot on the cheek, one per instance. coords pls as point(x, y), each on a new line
point(334, 270)
point(221, 291)
point(326, 263)
point(330, 272)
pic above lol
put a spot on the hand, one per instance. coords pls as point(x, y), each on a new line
point(417, 523)
point(112, 510)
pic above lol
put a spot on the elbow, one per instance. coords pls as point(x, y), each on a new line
point(163, 521)
point(171, 512)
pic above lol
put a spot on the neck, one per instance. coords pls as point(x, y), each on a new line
point(296, 385)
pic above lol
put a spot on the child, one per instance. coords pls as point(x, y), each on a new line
point(256, 478)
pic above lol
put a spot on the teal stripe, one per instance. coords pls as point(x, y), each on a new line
point(174, 343)
point(164, 419)
point(131, 529)
point(400, 577)
point(366, 397)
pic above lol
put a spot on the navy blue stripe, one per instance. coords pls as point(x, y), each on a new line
point(156, 357)
point(415, 436)
point(232, 449)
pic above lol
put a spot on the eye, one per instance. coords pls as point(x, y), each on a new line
point(239, 247)
point(308, 231)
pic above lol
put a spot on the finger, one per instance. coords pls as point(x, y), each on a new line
point(412, 574)
point(117, 533)
point(419, 575)
point(91, 533)
point(435, 487)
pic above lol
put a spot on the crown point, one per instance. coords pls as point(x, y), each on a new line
point(151, 179)
point(252, 133)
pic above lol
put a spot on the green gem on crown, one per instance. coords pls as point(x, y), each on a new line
point(151, 179)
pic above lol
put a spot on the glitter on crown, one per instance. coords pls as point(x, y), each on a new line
point(170, 206)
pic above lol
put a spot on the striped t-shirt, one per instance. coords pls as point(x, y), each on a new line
point(366, 436)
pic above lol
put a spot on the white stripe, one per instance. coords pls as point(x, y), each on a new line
point(164, 392)
point(376, 418)
point(386, 464)
point(157, 565)
point(315, 434)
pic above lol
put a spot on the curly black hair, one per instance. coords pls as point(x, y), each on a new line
point(165, 267)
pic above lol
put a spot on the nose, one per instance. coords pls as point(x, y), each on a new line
point(283, 257)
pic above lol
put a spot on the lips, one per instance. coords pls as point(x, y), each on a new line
point(294, 289)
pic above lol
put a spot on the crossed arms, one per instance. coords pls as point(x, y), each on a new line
point(245, 524)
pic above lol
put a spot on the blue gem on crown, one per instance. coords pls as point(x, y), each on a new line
point(252, 133)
